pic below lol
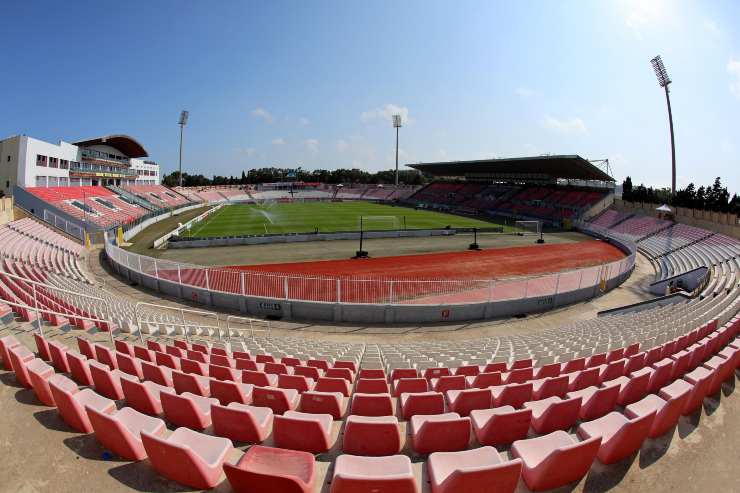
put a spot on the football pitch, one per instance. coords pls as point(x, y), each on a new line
point(309, 217)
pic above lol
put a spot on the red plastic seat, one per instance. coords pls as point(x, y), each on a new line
point(634, 363)
point(701, 379)
point(596, 360)
point(514, 395)
point(290, 361)
point(464, 401)
point(303, 431)
point(144, 396)
point(610, 371)
point(549, 387)
point(58, 354)
point(410, 385)
point(372, 435)
point(551, 370)
point(120, 431)
point(328, 384)
point(279, 400)
point(467, 370)
point(500, 425)
point(372, 373)
point(632, 388)
point(719, 366)
point(161, 375)
point(259, 378)
point(497, 367)
point(190, 382)
point(332, 403)
point(191, 354)
point(484, 380)
point(397, 373)
point(175, 351)
point(296, 382)
point(371, 405)
point(318, 363)
point(264, 358)
point(308, 372)
point(597, 401)
point(344, 373)
point(422, 403)
point(264, 469)
point(436, 372)
point(105, 355)
point(78, 367)
point(144, 354)
point(41, 345)
point(246, 364)
point(581, 379)
point(554, 413)
point(620, 437)
point(450, 382)
point(71, 402)
point(19, 356)
point(573, 365)
point(86, 348)
point(188, 457)
point(354, 474)
point(164, 359)
point(666, 412)
point(275, 368)
point(227, 391)
point(472, 471)
point(554, 460)
point(193, 367)
point(241, 423)
point(187, 409)
point(107, 382)
point(39, 374)
point(660, 375)
point(446, 432)
point(350, 365)
point(518, 375)
point(129, 364)
point(372, 386)
point(683, 390)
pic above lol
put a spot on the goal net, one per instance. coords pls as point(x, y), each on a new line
point(528, 227)
point(378, 223)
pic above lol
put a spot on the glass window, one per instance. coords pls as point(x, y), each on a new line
point(40, 160)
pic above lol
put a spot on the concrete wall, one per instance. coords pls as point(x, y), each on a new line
point(129, 268)
point(689, 280)
point(141, 227)
point(7, 213)
point(719, 222)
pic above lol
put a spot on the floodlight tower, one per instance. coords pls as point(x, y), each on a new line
point(182, 122)
point(664, 81)
point(396, 125)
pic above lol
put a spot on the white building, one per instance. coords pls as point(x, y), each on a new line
point(108, 160)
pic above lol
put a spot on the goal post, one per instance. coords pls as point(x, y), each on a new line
point(378, 223)
point(528, 227)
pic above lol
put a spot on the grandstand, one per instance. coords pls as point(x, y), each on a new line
point(551, 188)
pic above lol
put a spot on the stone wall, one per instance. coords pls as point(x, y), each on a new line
point(719, 222)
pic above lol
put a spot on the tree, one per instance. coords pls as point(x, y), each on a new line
point(627, 189)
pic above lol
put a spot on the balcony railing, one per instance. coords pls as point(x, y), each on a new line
point(101, 170)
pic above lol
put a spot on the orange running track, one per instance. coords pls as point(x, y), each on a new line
point(486, 264)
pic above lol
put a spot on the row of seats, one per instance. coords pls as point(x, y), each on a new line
point(606, 434)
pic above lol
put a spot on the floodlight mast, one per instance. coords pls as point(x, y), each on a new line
point(182, 122)
point(396, 125)
point(664, 81)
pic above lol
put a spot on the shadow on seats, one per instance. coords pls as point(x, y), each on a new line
point(728, 386)
point(653, 449)
point(687, 424)
point(140, 476)
point(603, 477)
point(8, 378)
point(88, 448)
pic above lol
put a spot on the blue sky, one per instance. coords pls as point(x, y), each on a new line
point(315, 83)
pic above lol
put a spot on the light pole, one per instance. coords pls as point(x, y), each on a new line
point(396, 125)
point(183, 121)
point(664, 81)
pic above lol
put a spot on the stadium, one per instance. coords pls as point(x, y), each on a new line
point(505, 324)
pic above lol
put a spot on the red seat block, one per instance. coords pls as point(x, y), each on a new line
point(279, 400)
point(371, 404)
point(161, 375)
point(464, 401)
point(554, 460)
point(620, 437)
point(410, 385)
point(191, 382)
point(241, 423)
point(439, 433)
point(666, 412)
point(303, 431)
point(272, 469)
point(550, 387)
point(474, 470)
point(328, 384)
point(186, 409)
point(120, 431)
point(39, 373)
point(372, 386)
point(188, 457)
point(144, 396)
point(500, 425)
point(422, 403)
point(333, 403)
point(372, 435)
point(484, 380)
point(597, 401)
point(71, 402)
point(354, 474)
point(450, 382)
point(514, 395)
point(554, 413)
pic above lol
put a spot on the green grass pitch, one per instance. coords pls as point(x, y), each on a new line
point(275, 218)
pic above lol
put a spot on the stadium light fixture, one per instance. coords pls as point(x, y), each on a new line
point(396, 125)
point(184, 114)
point(664, 81)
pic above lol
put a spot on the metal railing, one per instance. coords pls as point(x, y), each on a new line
point(247, 321)
point(377, 290)
point(184, 326)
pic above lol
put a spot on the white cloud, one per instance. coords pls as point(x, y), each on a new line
point(524, 92)
point(711, 27)
point(342, 145)
point(278, 142)
point(567, 126)
point(641, 16)
point(304, 121)
point(311, 144)
point(248, 151)
point(386, 113)
point(733, 68)
point(263, 114)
